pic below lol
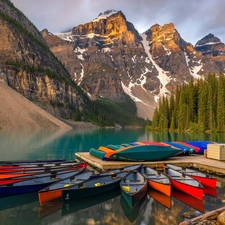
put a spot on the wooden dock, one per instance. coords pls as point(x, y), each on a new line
point(196, 161)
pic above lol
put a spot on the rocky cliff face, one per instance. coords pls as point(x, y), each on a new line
point(28, 66)
point(107, 57)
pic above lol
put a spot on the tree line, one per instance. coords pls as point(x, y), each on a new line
point(195, 106)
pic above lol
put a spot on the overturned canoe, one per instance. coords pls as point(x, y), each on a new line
point(185, 149)
point(200, 144)
point(143, 153)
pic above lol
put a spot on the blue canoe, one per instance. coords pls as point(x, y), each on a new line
point(185, 149)
point(200, 144)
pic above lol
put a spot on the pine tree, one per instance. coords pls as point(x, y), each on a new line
point(202, 106)
point(221, 104)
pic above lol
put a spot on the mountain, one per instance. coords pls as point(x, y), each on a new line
point(28, 66)
point(93, 71)
point(210, 45)
point(107, 57)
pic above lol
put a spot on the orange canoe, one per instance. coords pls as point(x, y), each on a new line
point(54, 191)
point(157, 180)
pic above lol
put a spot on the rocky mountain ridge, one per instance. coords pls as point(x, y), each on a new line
point(28, 66)
point(107, 57)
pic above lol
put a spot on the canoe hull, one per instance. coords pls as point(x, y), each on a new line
point(92, 187)
point(34, 184)
point(205, 181)
point(163, 188)
point(196, 192)
point(54, 191)
point(68, 195)
point(132, 200)
point(144, 153)
point(8, 191)
point(48, 196)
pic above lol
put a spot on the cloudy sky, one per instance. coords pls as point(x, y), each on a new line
point(193, 19)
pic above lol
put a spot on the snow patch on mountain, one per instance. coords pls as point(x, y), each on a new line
point(67, 36)
point(162, 75)
point(105, 15)
point(82, 74)
point(193, 70)
point(128, 91)
point(209, 43)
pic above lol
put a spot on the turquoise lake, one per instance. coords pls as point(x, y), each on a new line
point(106, 209)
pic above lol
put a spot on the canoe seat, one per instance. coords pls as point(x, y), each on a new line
point(55, 178)
point(126, 188)
point(97, 184)
point(136, 181)
point(81, 186)
point(183, 178)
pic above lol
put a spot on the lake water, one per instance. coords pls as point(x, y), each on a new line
point(107, 209)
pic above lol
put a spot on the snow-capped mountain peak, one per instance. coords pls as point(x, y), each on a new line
point(105, 15)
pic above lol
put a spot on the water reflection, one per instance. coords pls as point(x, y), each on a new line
point(19, 145)
point(132, 213)
point(106, 209)
point(61, 143)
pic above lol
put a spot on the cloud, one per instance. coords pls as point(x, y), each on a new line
point(193, 19)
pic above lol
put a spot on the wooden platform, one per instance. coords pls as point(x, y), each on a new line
point(195, 161)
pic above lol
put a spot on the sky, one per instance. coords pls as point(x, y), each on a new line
point(193, 19)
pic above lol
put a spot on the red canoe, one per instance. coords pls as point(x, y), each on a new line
point(39, 165)
point(40, 169)
point(204, 179)
point(185, 183)
point(28, 174)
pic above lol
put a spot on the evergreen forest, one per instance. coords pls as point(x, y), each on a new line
point(197, 106)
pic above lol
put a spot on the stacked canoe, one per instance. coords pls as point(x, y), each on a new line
point(136, 151)
point(148, 151)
